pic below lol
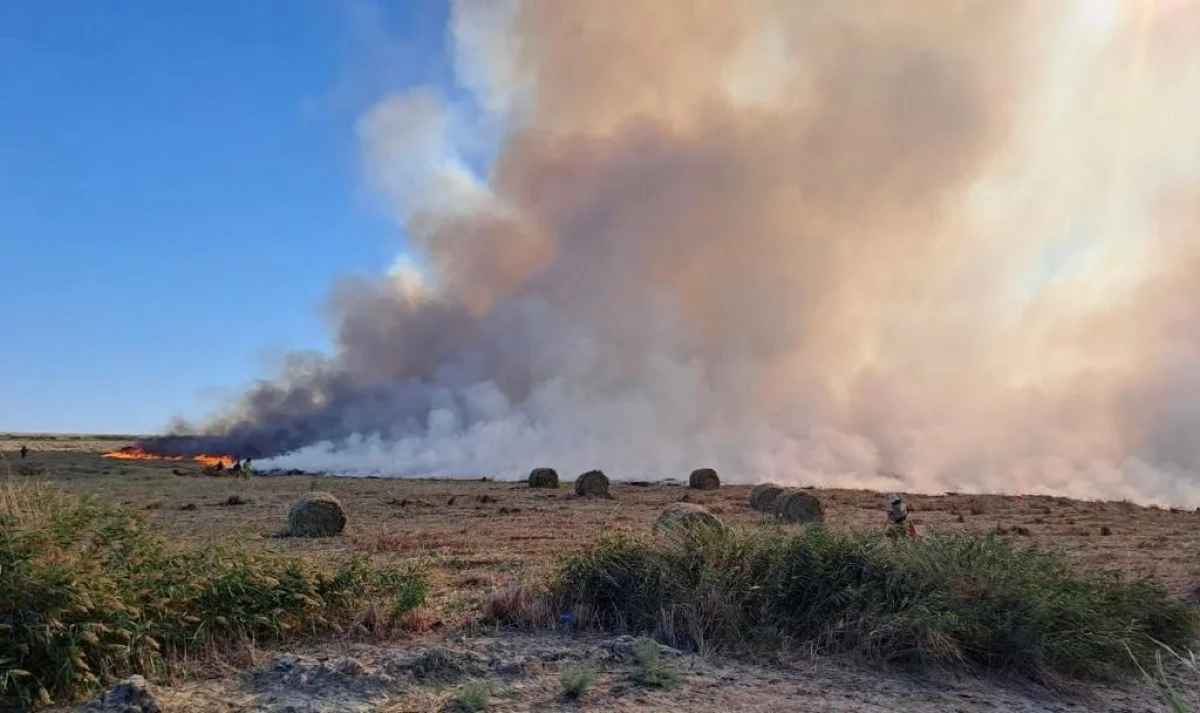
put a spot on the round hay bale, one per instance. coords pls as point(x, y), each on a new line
point(763, 496)
point(704, 479)
point(798, 507)
point(593, 483)
point(318, 515)
point(682, 516)
point(543, 478)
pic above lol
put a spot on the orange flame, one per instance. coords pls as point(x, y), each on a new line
point(137, 453)
point(226, 461)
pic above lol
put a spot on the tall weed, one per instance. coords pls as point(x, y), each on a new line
point(952, 600)
point(90, 593)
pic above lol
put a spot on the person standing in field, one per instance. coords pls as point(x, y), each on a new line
point(898, 524)
point(24, 451)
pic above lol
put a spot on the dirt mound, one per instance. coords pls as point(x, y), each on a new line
point(762, 497)
point(438, 665)
point(798, 507)
point(593, 483)
point(704, 479)
point(686, 516)
point(543, 478)
point(293, 683)
point(318, 515)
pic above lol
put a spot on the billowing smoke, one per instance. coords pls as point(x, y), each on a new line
point(927, 245)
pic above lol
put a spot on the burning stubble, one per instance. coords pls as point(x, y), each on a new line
point(927, 245)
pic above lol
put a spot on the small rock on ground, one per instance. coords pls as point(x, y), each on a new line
point(129, 696)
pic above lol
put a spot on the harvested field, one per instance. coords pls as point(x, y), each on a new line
point(479, 537)
point(505, 530)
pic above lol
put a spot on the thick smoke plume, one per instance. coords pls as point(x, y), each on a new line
point(927, 245)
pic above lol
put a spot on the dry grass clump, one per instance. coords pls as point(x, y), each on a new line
point(419, 621)
point(677, 517)
point(519, 606)
point(90, 593)
point(952, 600)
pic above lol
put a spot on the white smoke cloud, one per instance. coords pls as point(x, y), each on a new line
point(930, 246)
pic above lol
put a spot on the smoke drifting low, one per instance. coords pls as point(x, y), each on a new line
point(927, 245)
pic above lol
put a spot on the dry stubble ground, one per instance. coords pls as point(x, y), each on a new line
point(476, 537)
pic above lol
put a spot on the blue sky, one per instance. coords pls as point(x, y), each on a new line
point(180, 185)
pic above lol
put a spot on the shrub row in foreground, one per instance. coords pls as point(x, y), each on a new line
point(90, 593)
point(953, 600)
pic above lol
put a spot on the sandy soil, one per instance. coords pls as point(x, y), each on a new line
point(478, 536)
point(522, 672)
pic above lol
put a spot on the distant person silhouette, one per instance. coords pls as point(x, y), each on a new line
point(24, 451)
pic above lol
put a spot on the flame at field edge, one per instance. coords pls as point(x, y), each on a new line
point(138, 453)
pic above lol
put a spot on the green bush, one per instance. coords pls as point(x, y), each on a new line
point(90, 593)
point(953, 600)
point(577, 680)
point(473, 696)
point(649, 669)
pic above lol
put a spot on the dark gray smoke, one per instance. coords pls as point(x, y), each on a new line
point(814, 241)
